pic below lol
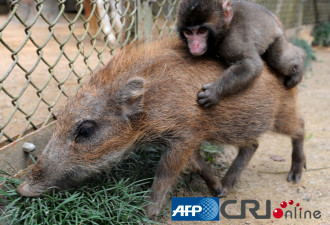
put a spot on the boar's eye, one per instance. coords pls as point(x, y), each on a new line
point(86, 130)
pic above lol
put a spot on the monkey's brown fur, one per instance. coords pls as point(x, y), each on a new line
point(146, 94)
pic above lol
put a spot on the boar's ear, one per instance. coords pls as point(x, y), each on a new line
point(130, 97)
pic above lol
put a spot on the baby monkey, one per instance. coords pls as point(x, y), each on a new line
point(240, 34)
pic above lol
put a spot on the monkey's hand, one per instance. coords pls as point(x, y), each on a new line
point(209, 95)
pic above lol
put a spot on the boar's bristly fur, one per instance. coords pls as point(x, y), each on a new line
point(147, 94)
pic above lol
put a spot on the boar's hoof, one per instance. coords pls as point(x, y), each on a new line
point(295, 177)
point(152, 210)
point(26, 190)
point(221, 191)
point(296, 171)
point(216, 191)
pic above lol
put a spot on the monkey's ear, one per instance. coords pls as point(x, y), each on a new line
point(130, 97)
point(228, 11)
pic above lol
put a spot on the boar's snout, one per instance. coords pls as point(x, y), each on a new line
point(28, 190)
point(37, 181)
point(33, 185)
point(45, 175)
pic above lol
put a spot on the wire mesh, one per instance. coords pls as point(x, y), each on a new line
point(48, 47)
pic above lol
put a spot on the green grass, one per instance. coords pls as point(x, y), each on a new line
point(115, 198)
point(209, 150)
point(321, 34)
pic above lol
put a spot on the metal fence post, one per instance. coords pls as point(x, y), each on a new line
point(299, 17)
point(145, 20)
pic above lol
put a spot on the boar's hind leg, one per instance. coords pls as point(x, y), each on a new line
point(169, 167)
point(294, 127)
point(298, 160)
point(207, 174)
point(243, 157)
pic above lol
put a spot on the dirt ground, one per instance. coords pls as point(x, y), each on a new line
point(265, 178)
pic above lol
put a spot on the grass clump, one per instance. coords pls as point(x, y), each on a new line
point(116, 198)
point(111, 202)
point(321, 34)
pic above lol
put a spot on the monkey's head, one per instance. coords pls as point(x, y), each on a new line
point(202, 24)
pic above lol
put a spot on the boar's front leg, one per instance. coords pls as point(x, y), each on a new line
point(244, 155)
point(169, 167)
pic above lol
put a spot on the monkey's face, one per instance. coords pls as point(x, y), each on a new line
point(197, 39)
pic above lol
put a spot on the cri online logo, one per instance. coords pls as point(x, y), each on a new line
point(295, 213)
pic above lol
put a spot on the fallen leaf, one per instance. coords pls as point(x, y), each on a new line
point(277, 158)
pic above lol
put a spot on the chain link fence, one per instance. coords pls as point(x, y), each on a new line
point(48, 47)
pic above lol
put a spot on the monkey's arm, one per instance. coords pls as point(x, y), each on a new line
point(237, 77)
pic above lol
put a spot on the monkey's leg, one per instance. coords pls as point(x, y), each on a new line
point(207, 174)
point(294, 126)
point(288, 60)
point(168, 170)
point(236, 78)
point(236, 168)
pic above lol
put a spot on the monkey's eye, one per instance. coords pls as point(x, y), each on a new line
point(187, 32)
point(202, 30)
